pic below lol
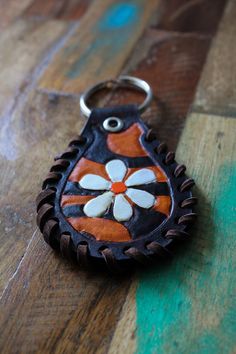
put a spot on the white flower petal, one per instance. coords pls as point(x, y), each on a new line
point(122, 210)
point(116, 170)
point(142, 176)
point(98, 206)
point(94, 182)
point(141, 198)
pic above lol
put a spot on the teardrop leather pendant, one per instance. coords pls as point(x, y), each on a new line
point(115, 194)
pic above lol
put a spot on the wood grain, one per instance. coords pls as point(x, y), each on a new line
point(22, 46)
point(61, 9)
point(104, 27)
point(50, 315)
point(124, 337)
point(217, 90)
point(10, 10)
point(196, 16)
point(17, 136)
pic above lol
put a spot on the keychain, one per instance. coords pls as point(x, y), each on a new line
point(116, 194)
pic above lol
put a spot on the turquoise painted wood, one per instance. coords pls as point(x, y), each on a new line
point(110, 36)
point(189, 306)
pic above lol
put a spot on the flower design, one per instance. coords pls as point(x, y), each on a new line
point(116, 191)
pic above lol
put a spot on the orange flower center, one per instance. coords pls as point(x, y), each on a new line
point(118, 187)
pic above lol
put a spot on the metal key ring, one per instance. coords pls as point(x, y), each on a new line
point(121, 81)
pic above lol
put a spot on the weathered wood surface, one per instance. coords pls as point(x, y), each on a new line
point(60, 9)
point(99, 47)
point(191, 16)
point(22, 46)
point(10, 10)
point(47, 304)
point(217, 91)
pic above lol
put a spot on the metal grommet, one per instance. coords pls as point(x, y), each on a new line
point(113, 124)
point(121, 81)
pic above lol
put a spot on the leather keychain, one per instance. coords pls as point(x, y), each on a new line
point(116, 194)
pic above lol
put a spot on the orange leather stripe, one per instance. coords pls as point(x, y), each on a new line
point(85, 166)
point(67, 200)
point(163, 204)
point(160, 175)
point(101, 229)
point(127, 143)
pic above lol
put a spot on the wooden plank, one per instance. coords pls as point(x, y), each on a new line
point(10, 10)
point(99, 48)
point(61, 9)
point(175, 308)
point(197, 16)
point(217, 90)
point(60, 309)
point(124, 338)
point(21, 47)
point(17, 135)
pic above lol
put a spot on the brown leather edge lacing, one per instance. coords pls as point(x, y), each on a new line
point(49, 225)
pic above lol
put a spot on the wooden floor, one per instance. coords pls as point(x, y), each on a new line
point(50, 51)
